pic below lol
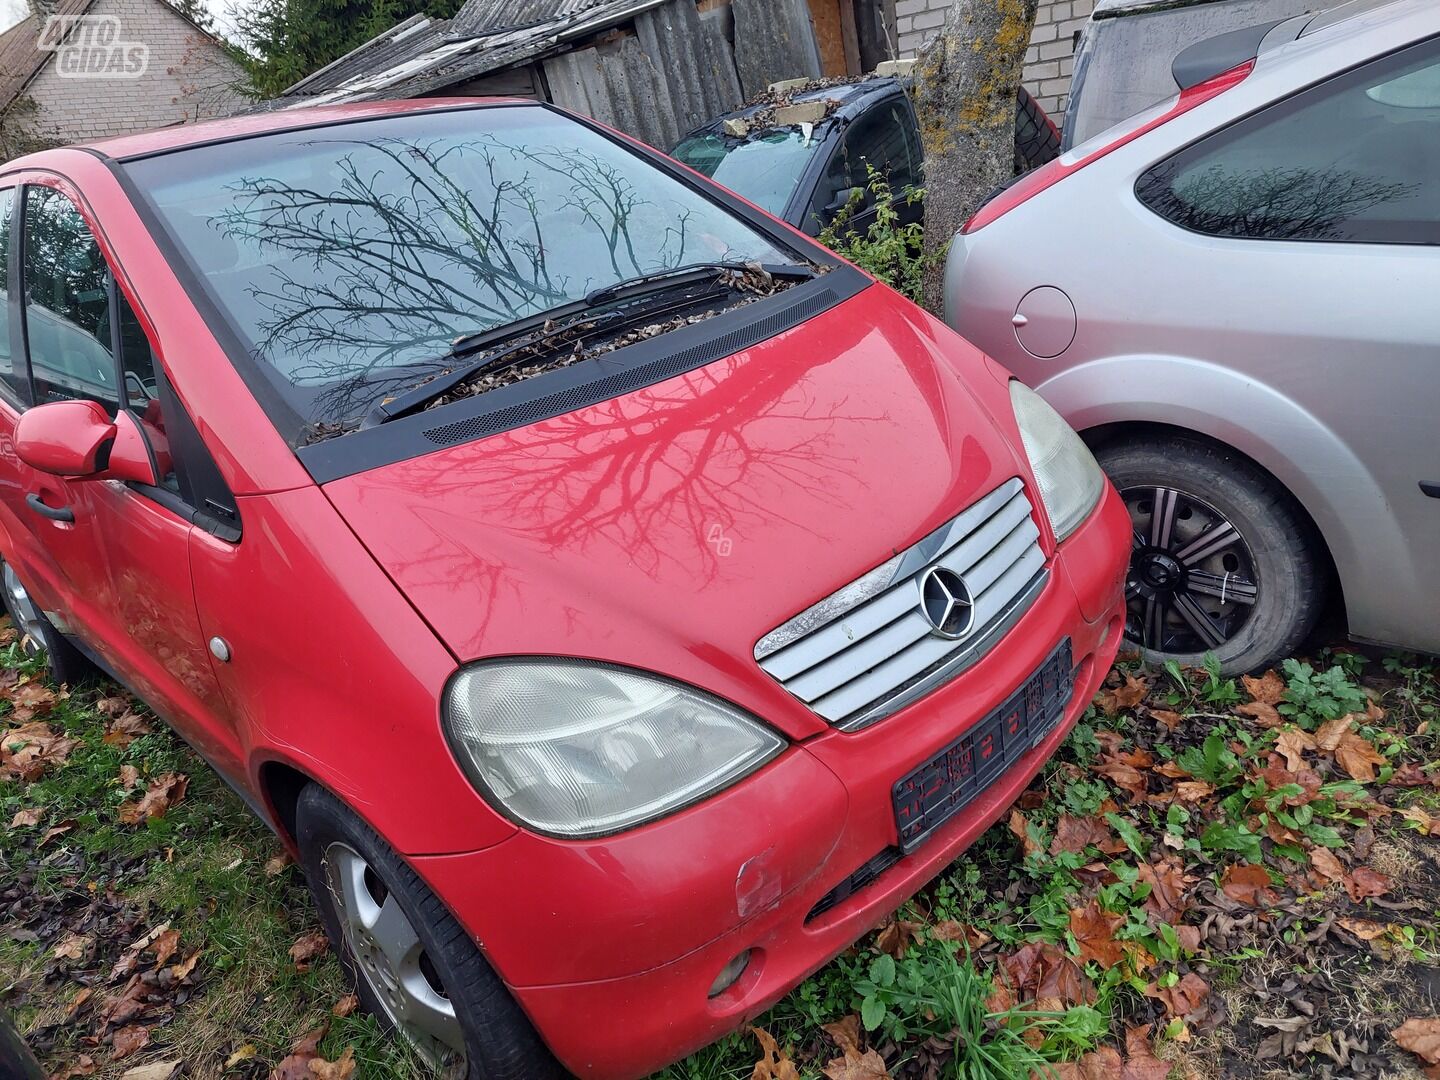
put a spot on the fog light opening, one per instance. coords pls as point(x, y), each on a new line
point(729, 974)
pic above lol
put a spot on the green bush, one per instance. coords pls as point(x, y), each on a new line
point(889, 250)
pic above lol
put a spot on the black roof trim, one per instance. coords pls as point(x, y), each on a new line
point(1214, 56)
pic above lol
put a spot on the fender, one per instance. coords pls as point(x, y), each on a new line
point(1334, 486)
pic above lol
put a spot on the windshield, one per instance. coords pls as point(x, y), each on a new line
point(344, 257)
point(764, 168)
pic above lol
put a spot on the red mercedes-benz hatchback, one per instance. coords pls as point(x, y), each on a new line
point(618, 602)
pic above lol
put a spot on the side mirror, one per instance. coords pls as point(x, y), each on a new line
point(843, 197)
point(65, 438)
point(77, 439)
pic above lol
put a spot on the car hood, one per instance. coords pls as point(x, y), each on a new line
point(670, 528)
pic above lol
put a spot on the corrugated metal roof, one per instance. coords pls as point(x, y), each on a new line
point(489, 16)
point(395, 65)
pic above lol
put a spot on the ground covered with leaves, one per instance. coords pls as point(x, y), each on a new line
point(1213, 878)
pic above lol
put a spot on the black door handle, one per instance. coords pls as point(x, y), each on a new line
point(54, 513)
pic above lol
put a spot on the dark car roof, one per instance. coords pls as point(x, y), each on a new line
point(853, 98)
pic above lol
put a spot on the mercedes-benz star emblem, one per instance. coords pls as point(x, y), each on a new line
point(945, 602)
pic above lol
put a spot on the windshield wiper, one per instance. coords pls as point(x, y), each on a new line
point(680, 274)
point(555, 321)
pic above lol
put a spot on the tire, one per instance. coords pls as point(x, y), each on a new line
point(499, 1041)
point(1200, 488)
point(67, 664)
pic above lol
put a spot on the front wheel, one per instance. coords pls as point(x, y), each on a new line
point(1222, 561)
point(414, 967)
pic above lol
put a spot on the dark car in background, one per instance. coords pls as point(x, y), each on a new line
point(804, 177)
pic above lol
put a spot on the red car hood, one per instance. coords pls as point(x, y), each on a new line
point(671, 528)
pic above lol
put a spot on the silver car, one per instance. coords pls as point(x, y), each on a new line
point(1235, 296)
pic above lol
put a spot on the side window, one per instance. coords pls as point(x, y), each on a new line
point(883, 138)
point(69, 324)
point(1354, 160)
point(7, 356)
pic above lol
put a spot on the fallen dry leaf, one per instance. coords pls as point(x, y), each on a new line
point(854, 1064)
point(346, 1005)
point(1248, 883)
point(1020, 828)
point(25, 819)
point(1075, 834)
point(159, 1070)
point(1171, 720)
point(1169, 887)
point(1042, 970)
point(775, 1063)
point(182, 970)
point(278, 863)
point(1184, 997)
point(897, 936)
point(84, 1066)
point(1421, 1036)
point(126, 729)
point(164, 946)
point(1330, 733)
point(27, 751)
point(129, 777)
point(72, 947)
point(1264, 714)
point(128, 1040)
point(1126, 696)
point(1358, 757)
point(1423, 821)
point(78, 1000)
point(1268, 688)
point(1094, 933)
point(160, 796)
point(54, 831)
point(307, 947)
point(1193, 790)
point(1326, 864)
point(243, 1053)
point(340, 1069)
point(1364, 929)
point(1140, 1060)
point(296, 1064)
point(1292, 743)
point(1362, 882)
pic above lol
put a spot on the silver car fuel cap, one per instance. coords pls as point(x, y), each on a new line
point(1045, 322)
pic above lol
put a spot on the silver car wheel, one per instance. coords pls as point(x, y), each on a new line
point(390, 957)
point(29, 622)
point(1193, 583)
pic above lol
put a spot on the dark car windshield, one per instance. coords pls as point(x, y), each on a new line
point(344, 256)
point(764, 168)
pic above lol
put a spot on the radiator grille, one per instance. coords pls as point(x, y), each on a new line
point(868, 650)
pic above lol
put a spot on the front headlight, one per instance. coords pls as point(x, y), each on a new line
point(1070, 482)
point(573, 748)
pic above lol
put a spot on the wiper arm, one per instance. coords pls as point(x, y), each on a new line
point(680, 274)
point(557, 320)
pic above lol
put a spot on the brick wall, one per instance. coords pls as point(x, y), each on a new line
point(1048, 62)
point(188, 77)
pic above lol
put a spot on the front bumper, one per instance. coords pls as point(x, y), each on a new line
point(639, 925)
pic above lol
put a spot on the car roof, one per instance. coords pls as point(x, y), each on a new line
point(852, 97)
point(180, 136)
point(1378, 10)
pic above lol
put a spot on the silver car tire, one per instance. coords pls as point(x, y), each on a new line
point(1223, 562)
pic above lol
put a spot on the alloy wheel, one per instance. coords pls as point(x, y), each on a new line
point(1192, 584)
point(391, 958)
point(23, 610)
